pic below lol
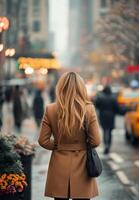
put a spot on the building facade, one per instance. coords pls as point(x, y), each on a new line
point(33, 25)
point(80, 27)
point(38, 23)
point(101, 7)
point(28, 24)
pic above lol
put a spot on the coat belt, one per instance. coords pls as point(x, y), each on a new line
point(72, 147)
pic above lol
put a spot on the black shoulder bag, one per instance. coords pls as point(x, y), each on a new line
point(93, 162)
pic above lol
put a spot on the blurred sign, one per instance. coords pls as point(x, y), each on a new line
point(132, 68)
point(37, 63)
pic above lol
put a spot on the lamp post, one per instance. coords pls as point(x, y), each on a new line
point(9, 53)
point(4, 25)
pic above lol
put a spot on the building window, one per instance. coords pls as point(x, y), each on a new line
point(103, 14)
point(36, 26)
point(114, 1)
point(36, 3)
point(36, 11)
point(103, 3)
point(36, 8)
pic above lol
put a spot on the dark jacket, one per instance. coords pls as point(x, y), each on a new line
point(38, 106)
point(108, 108)
point(17, 108)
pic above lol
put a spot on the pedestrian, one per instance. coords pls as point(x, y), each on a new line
point(108, 108)
point(38, 107)
point(7, 112)
point(24, 103)
point(1, 104)
point(17, 108)
point(64, 121)
point(52, 93)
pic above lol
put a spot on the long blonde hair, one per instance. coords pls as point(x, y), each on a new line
point(71, 98)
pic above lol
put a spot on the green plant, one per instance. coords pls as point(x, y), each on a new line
point(12, 178)
point(9, 159)
point(22, 145)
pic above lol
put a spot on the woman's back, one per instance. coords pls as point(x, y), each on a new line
point(77, 138)
point(62, 131)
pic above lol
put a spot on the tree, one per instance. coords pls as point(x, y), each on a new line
point(9, 160)
point(118, 30)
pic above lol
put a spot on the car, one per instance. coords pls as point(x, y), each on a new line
point(131, 121)
point(127, 96)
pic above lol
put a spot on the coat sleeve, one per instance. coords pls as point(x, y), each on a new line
point(93, 127)
point(45, 133)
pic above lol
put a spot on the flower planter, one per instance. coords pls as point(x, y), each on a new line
point(16, 196)
point(27, 165)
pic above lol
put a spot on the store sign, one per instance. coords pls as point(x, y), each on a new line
point(37, 63)
point(132, 68)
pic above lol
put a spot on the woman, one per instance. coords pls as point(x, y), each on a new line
point(7, 112)
point(64, 119)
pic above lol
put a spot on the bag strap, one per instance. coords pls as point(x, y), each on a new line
point(86, 133)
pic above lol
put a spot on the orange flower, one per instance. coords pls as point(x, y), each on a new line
point(24, 183)
point(14, 175)
point(20, 189)
point(1, 180)
point(13, 182)
point(3, 176)
point(18, 184)
point(15, 179)
point(9, 177)
point(5, 183)
point(23, 175)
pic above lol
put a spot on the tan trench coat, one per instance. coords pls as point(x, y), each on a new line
point(67, 176)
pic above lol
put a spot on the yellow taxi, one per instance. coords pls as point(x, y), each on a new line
point(127, 96)
point(132, 124)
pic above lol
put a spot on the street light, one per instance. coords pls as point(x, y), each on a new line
point(29, 70)
point(4, 24)
point(10, 52)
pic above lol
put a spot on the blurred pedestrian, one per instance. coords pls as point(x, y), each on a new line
point(38, 107)
point(134, 84)
point(1, 103)
point(108, 108)
point(7, 112)
point(52, 93)
point(64, 120)
point(24, 102)
point(17, 108)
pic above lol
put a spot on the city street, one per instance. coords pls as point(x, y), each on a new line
point(120, 178)
point(69, 52)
